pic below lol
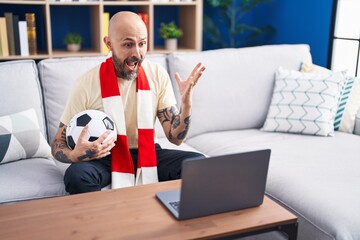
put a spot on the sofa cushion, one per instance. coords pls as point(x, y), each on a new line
point(20, 89)
point(304, 103)
point(21, 138)
point(30, 179)
point(236, 88)
point(349, 102)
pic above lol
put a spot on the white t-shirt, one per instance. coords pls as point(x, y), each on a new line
point(86, 94)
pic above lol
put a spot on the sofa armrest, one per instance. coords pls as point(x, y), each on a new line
point(357, 123)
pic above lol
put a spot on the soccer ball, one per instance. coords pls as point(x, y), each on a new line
point(98, 121)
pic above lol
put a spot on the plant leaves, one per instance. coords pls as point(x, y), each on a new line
point(221, 3)
point(213, 34)
point(228, 18)
point(241, 28)
point(248, 5)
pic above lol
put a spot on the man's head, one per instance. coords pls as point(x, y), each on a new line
point(127, 39)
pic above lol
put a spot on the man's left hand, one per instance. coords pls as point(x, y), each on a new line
point(186, 86)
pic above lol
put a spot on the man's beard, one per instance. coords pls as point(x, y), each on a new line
point(120, 68)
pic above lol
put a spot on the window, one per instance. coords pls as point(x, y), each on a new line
point(346, 37)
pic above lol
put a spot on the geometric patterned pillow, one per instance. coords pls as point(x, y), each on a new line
point(349, 102)
point(304, 103)
point(20, 137)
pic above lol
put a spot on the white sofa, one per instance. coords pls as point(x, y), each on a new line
point(315, 177)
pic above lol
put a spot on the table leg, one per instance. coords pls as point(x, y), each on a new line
point(290, 230)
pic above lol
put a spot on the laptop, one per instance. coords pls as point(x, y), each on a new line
point(218, 184)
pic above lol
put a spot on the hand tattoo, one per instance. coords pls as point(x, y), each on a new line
point(88, 154)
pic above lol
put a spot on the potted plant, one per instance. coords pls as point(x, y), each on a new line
point(171, 33)
point(73, 41)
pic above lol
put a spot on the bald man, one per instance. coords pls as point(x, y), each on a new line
point(93, 162)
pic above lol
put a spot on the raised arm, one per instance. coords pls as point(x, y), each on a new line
point(174, 122)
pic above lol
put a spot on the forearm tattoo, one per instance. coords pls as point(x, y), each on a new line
point(61, 156)
point(173, 116)
point(175, 122)
point(182, 135)
point(59, 145)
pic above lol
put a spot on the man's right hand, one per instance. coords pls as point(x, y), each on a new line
point(84, 149)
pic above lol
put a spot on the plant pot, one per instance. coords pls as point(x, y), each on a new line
point(171, 44)
point(73, 47)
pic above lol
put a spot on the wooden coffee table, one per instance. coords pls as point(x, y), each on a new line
point(132, 213)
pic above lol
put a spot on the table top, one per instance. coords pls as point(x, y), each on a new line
point(127, 213)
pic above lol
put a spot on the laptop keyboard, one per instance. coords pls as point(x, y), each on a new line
point(175, 205)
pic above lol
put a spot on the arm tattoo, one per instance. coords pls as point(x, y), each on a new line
point(175, 121)
point(61, 156)
point(61, 144)
point(164, 115)
point(183, 134)
point(173, 117)
point(167, 116)
point(63, 134)
point(58, 146)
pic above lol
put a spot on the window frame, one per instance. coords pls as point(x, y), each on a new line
point(333, 38)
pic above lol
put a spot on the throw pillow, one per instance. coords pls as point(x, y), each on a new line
point(20, 137)
point(349, 102)
point(310, 67)
point(304, 103)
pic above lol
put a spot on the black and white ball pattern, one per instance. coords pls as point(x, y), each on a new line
point(98, 121)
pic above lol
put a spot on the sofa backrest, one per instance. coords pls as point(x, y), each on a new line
point(236, 88)
point(58, 76)
point(20, 89)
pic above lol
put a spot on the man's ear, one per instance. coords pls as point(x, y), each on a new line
point(107, 42)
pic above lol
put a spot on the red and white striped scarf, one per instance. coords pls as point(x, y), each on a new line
point(122, 166)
